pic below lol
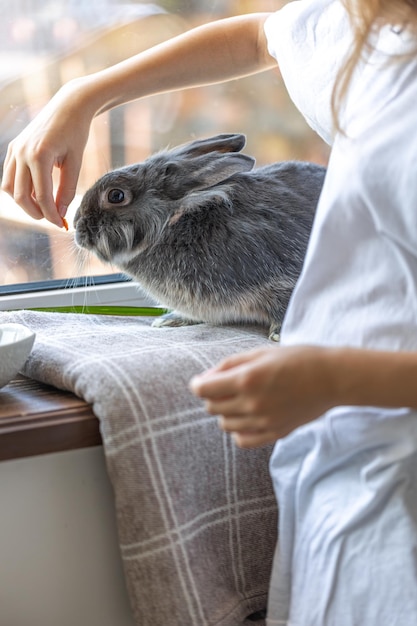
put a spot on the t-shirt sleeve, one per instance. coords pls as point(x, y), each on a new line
point(309, 40)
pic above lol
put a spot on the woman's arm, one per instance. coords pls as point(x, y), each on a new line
point(216, 52)
point(264, 394)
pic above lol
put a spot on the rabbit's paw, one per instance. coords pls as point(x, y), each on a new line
point(274, 332)
point(173, 319)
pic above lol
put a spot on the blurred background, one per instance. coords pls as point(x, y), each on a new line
point(43, 44)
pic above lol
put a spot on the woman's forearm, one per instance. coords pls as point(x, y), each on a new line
point(212, 53)
point(373, 378)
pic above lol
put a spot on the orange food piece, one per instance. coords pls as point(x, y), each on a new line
point(65, 223)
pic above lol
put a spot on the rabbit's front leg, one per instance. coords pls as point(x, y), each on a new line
point(274, 332)
point(173, 319)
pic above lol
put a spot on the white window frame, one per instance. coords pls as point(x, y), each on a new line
point(112, 294)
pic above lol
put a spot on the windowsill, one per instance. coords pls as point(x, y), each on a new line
point(39, 419)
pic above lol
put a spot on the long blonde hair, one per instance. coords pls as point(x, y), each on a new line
point(367, 17)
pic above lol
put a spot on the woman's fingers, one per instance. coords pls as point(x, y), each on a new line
point(9, 175)
point(29, 182)
point(23, 191)
point(240, 423)
point(41, 179)
point(69, 173)
point(214, 386)
point(227, 378)
point(31, 187)
point(239, 359)
point(246, 432)
point(253, 439)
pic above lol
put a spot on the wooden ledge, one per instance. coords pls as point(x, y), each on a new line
point(39, 419)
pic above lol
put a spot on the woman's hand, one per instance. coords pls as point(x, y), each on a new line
point(264, 394)
point(55, 138)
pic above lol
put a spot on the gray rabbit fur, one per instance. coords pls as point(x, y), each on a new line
point(205, 233)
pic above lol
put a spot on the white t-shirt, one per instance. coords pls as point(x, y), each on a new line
point(346, 483)
point(359, 284)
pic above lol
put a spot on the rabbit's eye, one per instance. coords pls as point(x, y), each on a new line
point(116, 196)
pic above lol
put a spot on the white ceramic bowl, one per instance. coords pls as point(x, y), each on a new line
point(16, 343)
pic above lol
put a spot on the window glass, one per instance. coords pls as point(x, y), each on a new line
point(45, 43)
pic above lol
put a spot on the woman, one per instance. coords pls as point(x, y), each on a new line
point(335, 394)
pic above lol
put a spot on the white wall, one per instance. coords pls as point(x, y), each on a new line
point(59, 560)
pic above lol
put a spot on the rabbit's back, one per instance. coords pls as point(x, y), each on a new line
point(254, 222)
point(240, 257)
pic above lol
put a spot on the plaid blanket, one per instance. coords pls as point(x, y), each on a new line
point(197, 518)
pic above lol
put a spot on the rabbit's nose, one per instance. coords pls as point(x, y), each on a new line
point(85, 232)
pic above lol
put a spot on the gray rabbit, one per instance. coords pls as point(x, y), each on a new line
point(203, 232)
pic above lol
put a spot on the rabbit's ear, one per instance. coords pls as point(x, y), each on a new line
point(203, 200)
point(202, 172)
point(212, 169)
point(220, 143)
